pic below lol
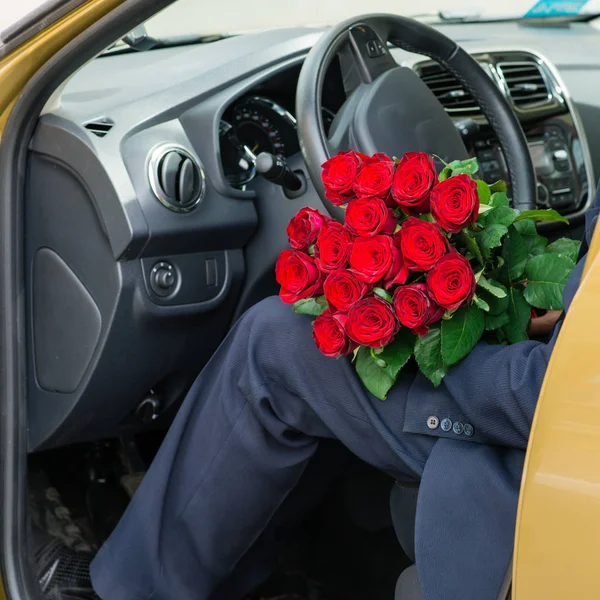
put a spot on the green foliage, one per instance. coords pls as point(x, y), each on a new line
point(519, 315)
point(542, 215)
point(428, 354)
point(565, 247)
point(461, 333)
point(311, 306)
point(547, 275)
point(379, 373)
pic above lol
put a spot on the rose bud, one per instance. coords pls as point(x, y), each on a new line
point(371, 322)
point(329, 334)
point(455, 203)
point(413, 181)
point(375, 178)
point(376, 258)
point(342, 290)
point(333, 247)
point(367, 217)
point(415, 309)
point(451, 282)
point(339, 174)
point(422, 244)
point(298, 276)
point(304, 228)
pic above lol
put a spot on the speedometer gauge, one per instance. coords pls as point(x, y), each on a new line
point(264, 126)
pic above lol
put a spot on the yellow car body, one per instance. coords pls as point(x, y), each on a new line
point(558, 522)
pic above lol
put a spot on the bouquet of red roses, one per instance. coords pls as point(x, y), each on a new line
point(424, 265)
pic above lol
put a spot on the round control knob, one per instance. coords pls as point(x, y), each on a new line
point(163, 279)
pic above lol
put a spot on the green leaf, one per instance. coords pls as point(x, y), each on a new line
point(514, 254)
point(497, 305)
point(548, 214)
point(484, 208)
point(470, 166)
point(377, 378)
point(428, 353)
point(461, 333)
point(481, 303)
point(547, 275)
point(382, 294)
point(491, 237)
point(501, 215)
point(565, 247)
point(496, 321)
point(483, 190)
point(493, 287)
point(499, 199)
point(311, 306)
point(472, 245)
point(535, 243)
point(499, 186)
point(427, 217)
point(519, 315)
point(445, 173)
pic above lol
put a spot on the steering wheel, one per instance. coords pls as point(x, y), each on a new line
point(389, 109)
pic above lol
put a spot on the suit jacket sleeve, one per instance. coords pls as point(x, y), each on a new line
point(494, 390)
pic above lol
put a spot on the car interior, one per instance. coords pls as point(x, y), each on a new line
point(151, 226)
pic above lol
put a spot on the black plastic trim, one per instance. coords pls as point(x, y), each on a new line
point(14, 566)
point(34, 22)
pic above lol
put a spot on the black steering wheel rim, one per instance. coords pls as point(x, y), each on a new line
point(418, 38)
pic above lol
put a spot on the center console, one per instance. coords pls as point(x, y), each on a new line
point(539, 99)
point(557, 157)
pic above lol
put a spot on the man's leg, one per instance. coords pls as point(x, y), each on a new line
point(237, 448)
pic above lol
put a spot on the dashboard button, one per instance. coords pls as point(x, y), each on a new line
point(163, 279)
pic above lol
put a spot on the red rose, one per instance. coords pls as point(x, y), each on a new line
point(332, 250)
point(455, 203)
point(367, 217)
point(304, 228)
point(451, 282)
point(342, 290)
point(375, 259)
point(422, 244)
point(329, 334)
point(415, 308)
point(375, 178)
point(298, 276)
point(414, 179)
point(339, 174)
point(398, 273)
point(371, 322)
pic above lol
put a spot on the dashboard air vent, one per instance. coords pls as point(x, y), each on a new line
point(100, 127)
point(525, 82)
point(176, 177)
point(447, 89)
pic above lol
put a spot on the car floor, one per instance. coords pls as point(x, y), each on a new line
point(334, 538)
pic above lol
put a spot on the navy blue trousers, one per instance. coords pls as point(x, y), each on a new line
point(239, 445)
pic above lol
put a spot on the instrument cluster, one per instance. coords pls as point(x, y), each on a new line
point(253, 125)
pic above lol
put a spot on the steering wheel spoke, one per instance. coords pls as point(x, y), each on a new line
point(365, 57)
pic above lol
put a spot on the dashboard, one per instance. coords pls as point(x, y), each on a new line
point(149, 231)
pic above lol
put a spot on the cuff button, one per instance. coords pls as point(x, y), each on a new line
point(469, 429)
point(432, 422)
point(446, 424)
point(458, 428)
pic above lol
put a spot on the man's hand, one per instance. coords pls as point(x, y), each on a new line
point(542, 326)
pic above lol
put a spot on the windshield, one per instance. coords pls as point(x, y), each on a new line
point(194, 17)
